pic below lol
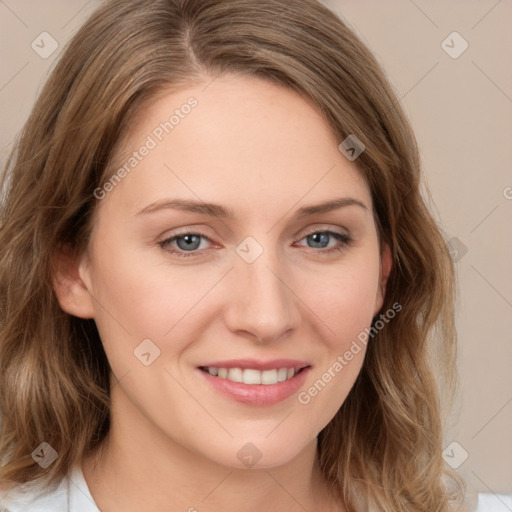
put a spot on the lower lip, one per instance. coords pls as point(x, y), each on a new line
point(257, 394)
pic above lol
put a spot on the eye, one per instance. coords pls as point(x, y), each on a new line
point(187, 243)
point(320, 240)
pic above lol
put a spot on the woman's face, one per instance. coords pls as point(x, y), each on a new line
point(265, 280)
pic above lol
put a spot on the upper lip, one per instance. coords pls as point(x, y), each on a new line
point(258, 364)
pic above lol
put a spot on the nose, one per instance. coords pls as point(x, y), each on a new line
point(261, 304)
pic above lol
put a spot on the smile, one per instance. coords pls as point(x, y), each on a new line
point(254, 382)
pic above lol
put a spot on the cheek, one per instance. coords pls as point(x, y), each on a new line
point(145, 297)
point(138, 300)
point(345, 305)
point(130, 306)
point(344, 298)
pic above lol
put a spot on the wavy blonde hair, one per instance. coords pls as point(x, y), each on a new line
point(383, 448)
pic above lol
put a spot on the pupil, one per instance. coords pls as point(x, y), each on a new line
point(189, 239)
point(316, 237)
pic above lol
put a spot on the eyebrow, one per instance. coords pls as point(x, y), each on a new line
point(218, 211)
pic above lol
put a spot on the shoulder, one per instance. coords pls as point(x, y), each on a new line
point(490, 502)
point(31, 497)
point(71, 495)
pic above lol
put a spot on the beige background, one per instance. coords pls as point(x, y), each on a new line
point(461, 111)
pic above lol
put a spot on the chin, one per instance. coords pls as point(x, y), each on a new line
point(262, 452)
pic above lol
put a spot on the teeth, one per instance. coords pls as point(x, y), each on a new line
point(251, 376)
point(269, 377)
point(235, 374)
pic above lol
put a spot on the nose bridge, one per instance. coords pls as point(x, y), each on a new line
point(261, 302)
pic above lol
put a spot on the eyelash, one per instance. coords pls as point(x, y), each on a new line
point(345, 240)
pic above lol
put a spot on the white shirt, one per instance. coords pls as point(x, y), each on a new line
point(73, 495)
point(488, 502)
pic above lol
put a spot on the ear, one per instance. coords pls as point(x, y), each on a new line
point(72, 291)
point(385, 269)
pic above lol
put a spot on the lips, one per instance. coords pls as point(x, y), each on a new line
point(256, 382)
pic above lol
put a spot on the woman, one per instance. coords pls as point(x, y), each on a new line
point(299, 358)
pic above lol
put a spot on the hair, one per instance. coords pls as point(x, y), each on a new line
point(383, 448)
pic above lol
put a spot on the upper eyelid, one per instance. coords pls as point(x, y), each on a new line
point(322, 230)
point(192, 231)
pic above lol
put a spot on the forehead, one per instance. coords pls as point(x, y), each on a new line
point(239, 141)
